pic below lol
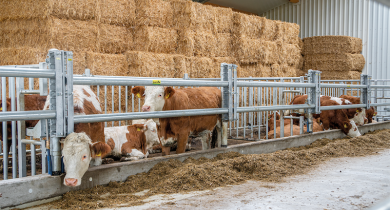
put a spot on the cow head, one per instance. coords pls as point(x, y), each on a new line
point(353, 131)
point(154, 96)
point(78, 151)
point(150, 130)
point(359, 116)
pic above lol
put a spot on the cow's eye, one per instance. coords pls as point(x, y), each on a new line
point(159, 95)
point(84, 157)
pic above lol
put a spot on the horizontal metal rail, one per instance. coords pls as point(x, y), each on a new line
point(146, 115)
point(97, 76)
point(34, 66)
point(274, 84)
point(273, 108)
point(30, 92)
point(380, 86)
point(27, 115)
point(380, 104)
point(322, 85)
point(24, 72)
point(144, 82)
point(342, 107)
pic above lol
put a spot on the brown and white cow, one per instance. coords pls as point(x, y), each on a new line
point(296, 129)
point(133, 141)
point(87, 139)
point(178, 129)
point(370, 113)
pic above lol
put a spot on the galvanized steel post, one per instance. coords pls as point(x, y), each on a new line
point(365, 94)
point(313, 97)
point(225, 102)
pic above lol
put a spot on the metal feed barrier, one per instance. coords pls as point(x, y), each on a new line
point(246, 104)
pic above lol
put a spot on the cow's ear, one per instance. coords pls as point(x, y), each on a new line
point(138, 91)
point(100, 149)
point(169, 92)
point(139, 127)
point(375, 113)
point(145, 127)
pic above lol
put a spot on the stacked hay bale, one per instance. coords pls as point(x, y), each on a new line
point(338, 57)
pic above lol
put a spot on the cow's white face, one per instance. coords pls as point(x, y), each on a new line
point(154, 99)
point(359, 117)
point(354, 131)
point(151, 134)
point(77, 156)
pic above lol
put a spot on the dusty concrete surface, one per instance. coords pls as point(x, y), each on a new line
point(342, 183)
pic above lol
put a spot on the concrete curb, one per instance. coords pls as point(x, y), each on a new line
point(29, 189)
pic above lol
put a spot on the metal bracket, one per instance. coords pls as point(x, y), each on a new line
point(365, 94)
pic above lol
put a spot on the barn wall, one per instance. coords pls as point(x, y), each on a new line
point(365, 19)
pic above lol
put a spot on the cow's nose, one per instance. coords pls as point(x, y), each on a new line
point(71, 182)
point(145, 108)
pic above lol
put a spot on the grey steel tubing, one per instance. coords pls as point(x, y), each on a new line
point(27, 115)
point(380, 86)
point(380, 104)
point(341, 86)
point(22, 72)
point(24, 66)
point(13, 126)
point(292, 117)
point(273, 108)
point(27, 141)
point(33, 171)
point(323, 108)
point(112, 102)
point(30, 92)
point(147, 115)
point(266, 78)
point(27, 151)
point(274, 84)
point(144, 82)
point(5, 135)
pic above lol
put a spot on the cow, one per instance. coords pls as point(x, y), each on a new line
point(178, 129)
point(32, 102)
point(296, 129)
point(133, 141)
point(338, 119)
point(370, 113)
point(356, 114)
point(86, 146)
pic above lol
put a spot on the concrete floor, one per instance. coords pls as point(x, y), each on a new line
point(345, 183)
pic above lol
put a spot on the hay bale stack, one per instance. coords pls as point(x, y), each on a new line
point(334, 62)
point(195, 16)
point(268, 32)
point(154, 13)
point(354, 75)
point(21, 56)
point(224, 45)
point(332, 44)
point(114, 39)
point(107, 64)
point(155, 39)
point(201, 67)
point(117, 12)
point(146, 64)
point(197, 43)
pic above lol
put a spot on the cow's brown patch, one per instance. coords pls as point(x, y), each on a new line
point(138, 91)
point(111, 143)
point(100, 149)
point(86, 93)
point(135, 139)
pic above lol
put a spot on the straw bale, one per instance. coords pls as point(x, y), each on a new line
point(224, 45)
point(276, 70)
point(155, 39)
point(107, 64)
point(248, 26)
point(224, 19)
point(256, 50)
point(268, 32)
point(293, 54)
point(265, 70)
point(201, 67)
point(186, 42)
point(154, 13)
point(288, 71)
point(332, 44)
point(219, 60)
point(287, 32)
point(27, 9)
point(334, 62)
point(21, 56)
point(79, 62)
point(333, 75)
point(180, 66)
point(354, 75)
point(195, 16)
point(198, 43)
point(146, 64)
point(114, 39)
point(118, 12)
point(48, 33)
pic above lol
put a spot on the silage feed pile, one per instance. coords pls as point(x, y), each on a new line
point(338, 57)
point(230, 168)
point(164, 38)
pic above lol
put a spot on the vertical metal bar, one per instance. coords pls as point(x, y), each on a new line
point(13, 124)
point(259, 113)
point(236, 98)
point(112, 103)
point(225, 104)
point(98, 91)
point(119, 90)
point(274, 101)
point(301, 119)
point(281, 124)
point(69, 93)
point(105, 103)
point(251, 95)
point(5, 143)
point(21, 128)
point(31, 83)
point(33, 166)
point(43, 153)
point(291, 126)
point(244, 118)
point(132, 100)
point(126, 102)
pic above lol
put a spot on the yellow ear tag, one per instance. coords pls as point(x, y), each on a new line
point(138, 129)
point(357, 110)
point(138, 95)
point(374, 114)
point(345, 126)
point(1, 108)
point(167, 96)
point(98, 155)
